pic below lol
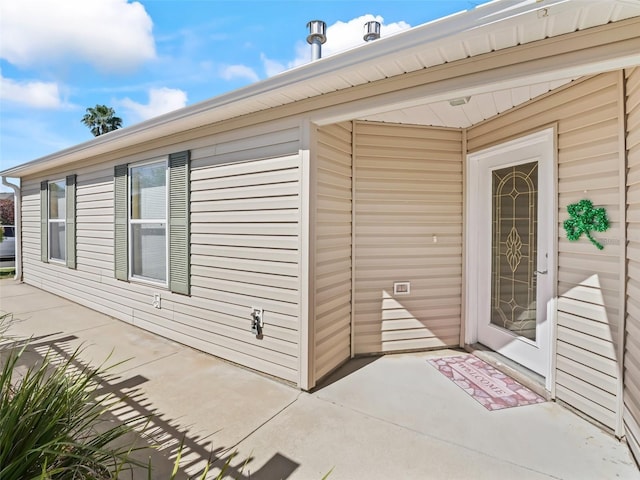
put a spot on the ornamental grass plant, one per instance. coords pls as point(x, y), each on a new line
point(52, 419)
point(55, 424)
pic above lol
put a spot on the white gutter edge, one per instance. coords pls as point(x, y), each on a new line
point(17, 201)
point(482, 15)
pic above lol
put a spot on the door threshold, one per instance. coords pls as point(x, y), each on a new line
point(523, 375)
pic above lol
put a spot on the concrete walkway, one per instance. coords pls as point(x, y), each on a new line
point(377, 418)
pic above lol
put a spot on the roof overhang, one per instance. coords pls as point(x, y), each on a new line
point(553, 61)
point(495, 46)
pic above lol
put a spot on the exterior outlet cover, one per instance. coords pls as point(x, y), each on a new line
point(156, 300)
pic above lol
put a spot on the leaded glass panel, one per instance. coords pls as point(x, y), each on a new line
point(513, 248)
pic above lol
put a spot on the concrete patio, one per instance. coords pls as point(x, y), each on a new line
point(380, 417)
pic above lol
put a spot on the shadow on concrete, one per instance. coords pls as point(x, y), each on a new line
point(157, 439)
point(351, 366)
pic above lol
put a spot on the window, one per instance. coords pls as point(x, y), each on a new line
point(151, 231)
point(148, 221)
point(57, 221)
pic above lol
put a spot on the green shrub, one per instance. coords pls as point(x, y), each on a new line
point(52, 424)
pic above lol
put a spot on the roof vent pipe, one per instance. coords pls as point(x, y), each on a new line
point(371, 31)
point(317, 36)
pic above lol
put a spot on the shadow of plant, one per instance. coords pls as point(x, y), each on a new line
point(61, 418)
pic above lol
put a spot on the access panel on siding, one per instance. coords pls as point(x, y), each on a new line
point(408, 228)
point(332, 325)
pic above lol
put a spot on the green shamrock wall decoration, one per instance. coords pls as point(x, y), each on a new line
point(585, 219)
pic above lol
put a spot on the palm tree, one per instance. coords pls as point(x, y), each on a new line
point(101, 119)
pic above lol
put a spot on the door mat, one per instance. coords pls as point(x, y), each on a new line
point(489, 386)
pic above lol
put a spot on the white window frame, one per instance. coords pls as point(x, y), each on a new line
point(56, 220)
point(130, 222)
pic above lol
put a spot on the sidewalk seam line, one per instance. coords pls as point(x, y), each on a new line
point(263, 423)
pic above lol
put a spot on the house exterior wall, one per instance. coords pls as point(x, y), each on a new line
point(388, 207)
point(408, 227)
point(245, 248)
point(332, 272)
point(588, 353)
point(632, 342)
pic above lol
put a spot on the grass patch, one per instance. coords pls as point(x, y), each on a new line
point(7, 272)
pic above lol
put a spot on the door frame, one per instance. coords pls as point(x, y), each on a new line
point(473, 166)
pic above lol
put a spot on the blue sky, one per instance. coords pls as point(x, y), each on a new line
point(58, 57)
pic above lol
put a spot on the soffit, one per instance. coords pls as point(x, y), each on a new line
point(480, 107)
point(550, 19)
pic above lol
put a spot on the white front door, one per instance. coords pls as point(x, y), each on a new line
point(510, 249)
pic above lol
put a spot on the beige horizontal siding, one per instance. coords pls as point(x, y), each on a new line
point(632, 343)
point(408, 188)
point(589, 280)
point(273, 141)
point(94, 209)
point(245, 250)
point(332, 324)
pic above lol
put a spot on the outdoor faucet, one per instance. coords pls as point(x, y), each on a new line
point(257, 321)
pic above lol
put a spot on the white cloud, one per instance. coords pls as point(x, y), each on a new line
point(271, 67)
point(161, 100)
point(341, 36)
point(112, 35)
point(230, 72)
point(33, 94)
